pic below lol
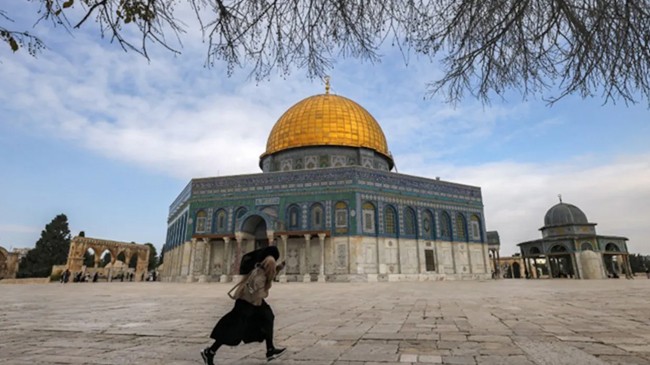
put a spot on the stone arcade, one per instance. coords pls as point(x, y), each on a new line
point(328, 199)
point(131, 252)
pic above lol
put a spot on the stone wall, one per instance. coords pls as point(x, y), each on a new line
point(349, 258)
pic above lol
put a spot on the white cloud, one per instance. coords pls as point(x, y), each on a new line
point(17, 228)
point(614, 194)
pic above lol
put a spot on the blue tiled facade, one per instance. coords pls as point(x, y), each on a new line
point(271, 195)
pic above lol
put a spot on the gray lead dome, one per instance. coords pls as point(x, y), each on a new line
point(563, 213)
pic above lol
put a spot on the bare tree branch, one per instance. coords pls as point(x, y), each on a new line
point(551, 48)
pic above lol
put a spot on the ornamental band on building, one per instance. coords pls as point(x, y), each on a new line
point(327, 197)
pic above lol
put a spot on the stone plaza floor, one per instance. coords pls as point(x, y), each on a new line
point(418, 323)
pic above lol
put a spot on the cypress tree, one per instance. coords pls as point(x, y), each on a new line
point(51, 249)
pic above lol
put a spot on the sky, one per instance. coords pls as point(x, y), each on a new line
point(110, 139)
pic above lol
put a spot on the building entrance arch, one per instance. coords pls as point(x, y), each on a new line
point(255, 226)
point(560, 262)
point(516, 270)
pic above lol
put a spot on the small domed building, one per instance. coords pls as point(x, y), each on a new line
point(327, 197)
point(570, 248)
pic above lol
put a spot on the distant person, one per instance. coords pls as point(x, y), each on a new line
point(251, 319)
point(66, 276)
point(647, 273)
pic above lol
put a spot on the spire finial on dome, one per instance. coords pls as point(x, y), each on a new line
point(327, 84)
point(560, 196)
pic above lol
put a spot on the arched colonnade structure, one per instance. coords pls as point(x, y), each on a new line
point(570, 248)
point(130, 251)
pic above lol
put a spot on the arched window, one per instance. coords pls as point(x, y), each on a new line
point(221, 221)
point(586, 246)
point(368, 217)
point(475, 228)
point(390, 220)
point(341, 217)
point(200, 221)
point(240, 212)
point(316, 216)
point(409, 221)
point(445, 226)
point(293, 217)
point(427, 225)
point(461, 227)
point(558, 248)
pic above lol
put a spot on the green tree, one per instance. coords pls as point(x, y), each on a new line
point(639, 263)
point(484, 48)
point(153, 257)
point(51, 249)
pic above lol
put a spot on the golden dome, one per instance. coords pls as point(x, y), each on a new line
point(326, 120)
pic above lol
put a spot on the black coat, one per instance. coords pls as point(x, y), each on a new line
point(244, 323)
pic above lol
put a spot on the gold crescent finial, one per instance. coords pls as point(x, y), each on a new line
point(327, 85)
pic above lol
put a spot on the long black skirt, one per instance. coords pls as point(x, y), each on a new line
point(244, 323)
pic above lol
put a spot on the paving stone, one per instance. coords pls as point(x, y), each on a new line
point(503, 360)
point(517, 322)
point(430, 359)
point(550, 353)
point(459, 360)
point(624, 360)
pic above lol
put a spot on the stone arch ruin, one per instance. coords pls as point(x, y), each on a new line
point(8, 264)
point(80, 245)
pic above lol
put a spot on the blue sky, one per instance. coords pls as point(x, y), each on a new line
point(110, 139)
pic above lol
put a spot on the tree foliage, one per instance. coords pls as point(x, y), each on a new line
point(584, 47)
point(51, 249)
point(639, 263)
point(153, 257)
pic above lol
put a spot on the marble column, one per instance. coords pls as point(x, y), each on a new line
point(271, 237)
point(238, 254)
point(577, 268)
point(307, 275)
point(283, 256)
point(629, 274)
point(497, 266)
point(321, 274)
point(190, 270)
point(453, 256)
point(225, 261)
point(205, 250)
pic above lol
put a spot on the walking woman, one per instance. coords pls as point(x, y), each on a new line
point(251, 319)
